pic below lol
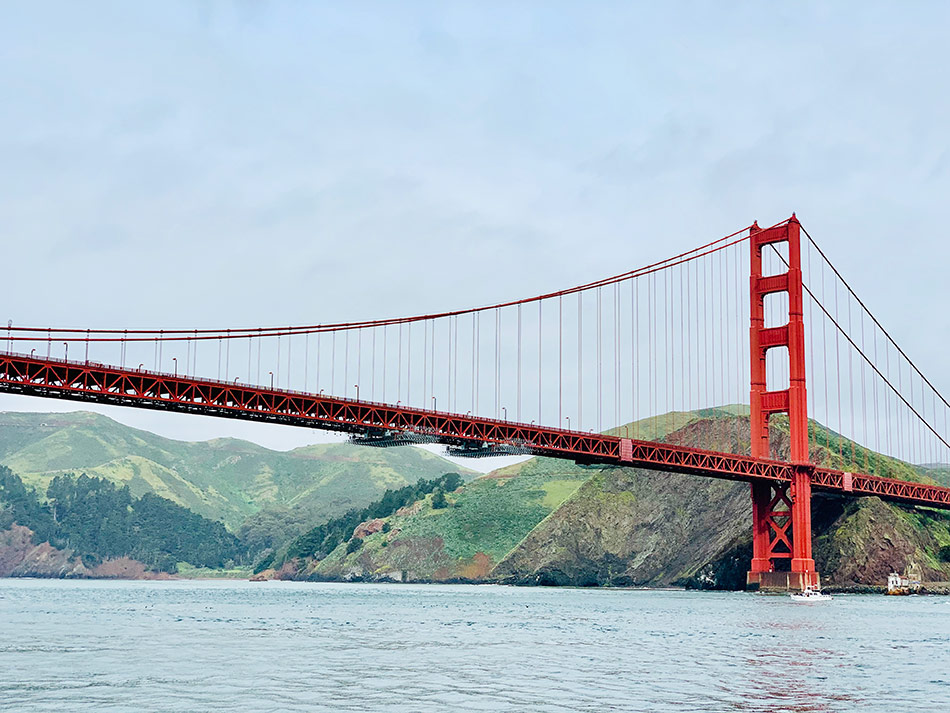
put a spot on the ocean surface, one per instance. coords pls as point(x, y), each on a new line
point(280, 646)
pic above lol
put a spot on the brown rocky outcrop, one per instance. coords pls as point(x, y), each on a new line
point(21, 557)
point(15, 544)
point(370, 527)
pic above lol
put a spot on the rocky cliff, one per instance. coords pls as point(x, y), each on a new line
point(21, 556)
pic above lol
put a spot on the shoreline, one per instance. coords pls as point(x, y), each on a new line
point(927, 589)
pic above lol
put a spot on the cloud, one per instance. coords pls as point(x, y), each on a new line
point(237, 163)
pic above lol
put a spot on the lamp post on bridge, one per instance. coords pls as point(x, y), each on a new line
point(271, 379)
point(568, 419)
point(32, 352)
point(357, 387)
point(66, 357)
point(175, 359)
point(505, 411)
point(435, 404)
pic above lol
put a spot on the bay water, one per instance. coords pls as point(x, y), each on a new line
point(284, 646)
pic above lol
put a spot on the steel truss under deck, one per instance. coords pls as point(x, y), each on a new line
point(100, 383)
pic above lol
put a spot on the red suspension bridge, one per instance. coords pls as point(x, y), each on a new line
point(644, 347)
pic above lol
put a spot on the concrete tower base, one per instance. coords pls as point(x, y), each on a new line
point(781, 581)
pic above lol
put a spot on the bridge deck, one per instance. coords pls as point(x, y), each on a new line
point(100, 383)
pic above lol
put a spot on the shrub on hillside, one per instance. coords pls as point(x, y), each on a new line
point(438, 500)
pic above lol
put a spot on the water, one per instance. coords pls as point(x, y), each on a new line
point(203, 645)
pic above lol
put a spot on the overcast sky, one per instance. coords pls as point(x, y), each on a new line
point(219, 164)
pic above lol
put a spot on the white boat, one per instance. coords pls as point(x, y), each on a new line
point(810, 594)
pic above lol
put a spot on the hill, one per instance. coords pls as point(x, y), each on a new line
point(226, 480)
point(551, 522)
point(90, 527)
point(487, 518)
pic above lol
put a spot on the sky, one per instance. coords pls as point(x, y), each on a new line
point(211, 164)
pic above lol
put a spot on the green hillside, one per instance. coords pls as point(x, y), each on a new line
point(485, 520)
point(223, 479)
point(552, 522)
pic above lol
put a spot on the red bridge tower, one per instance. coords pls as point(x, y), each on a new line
point(781, 511)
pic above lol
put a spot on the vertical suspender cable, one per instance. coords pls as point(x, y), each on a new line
point(651, 374)
point(854, 432)
point(448, 363)
point(455, 367)
point(670, 349)
point(634, 356)
point(473, 403)
point(810, 336)
point(616, 355)
point(682, 349)
point(741, 318)
point(700, 355)
point(838, 374)
point(600, 389)
point(723, 351)
point(580, 360)
point(560, 361)
point(666, 356)
point(478, 360)
point(518, 396)
point(497, 389)
point(539, 362)
point(289, 351)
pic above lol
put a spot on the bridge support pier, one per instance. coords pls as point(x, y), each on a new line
point(781, 511)
point(781, 535)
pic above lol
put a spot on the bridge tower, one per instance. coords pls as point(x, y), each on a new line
point(781, 511)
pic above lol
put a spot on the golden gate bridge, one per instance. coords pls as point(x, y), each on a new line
point(756, 330)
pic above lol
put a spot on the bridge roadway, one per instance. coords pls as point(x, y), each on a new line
point(118, 386)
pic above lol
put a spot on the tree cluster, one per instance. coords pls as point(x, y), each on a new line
point(97, 521)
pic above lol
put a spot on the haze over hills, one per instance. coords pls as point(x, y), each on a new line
point(223, 479)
